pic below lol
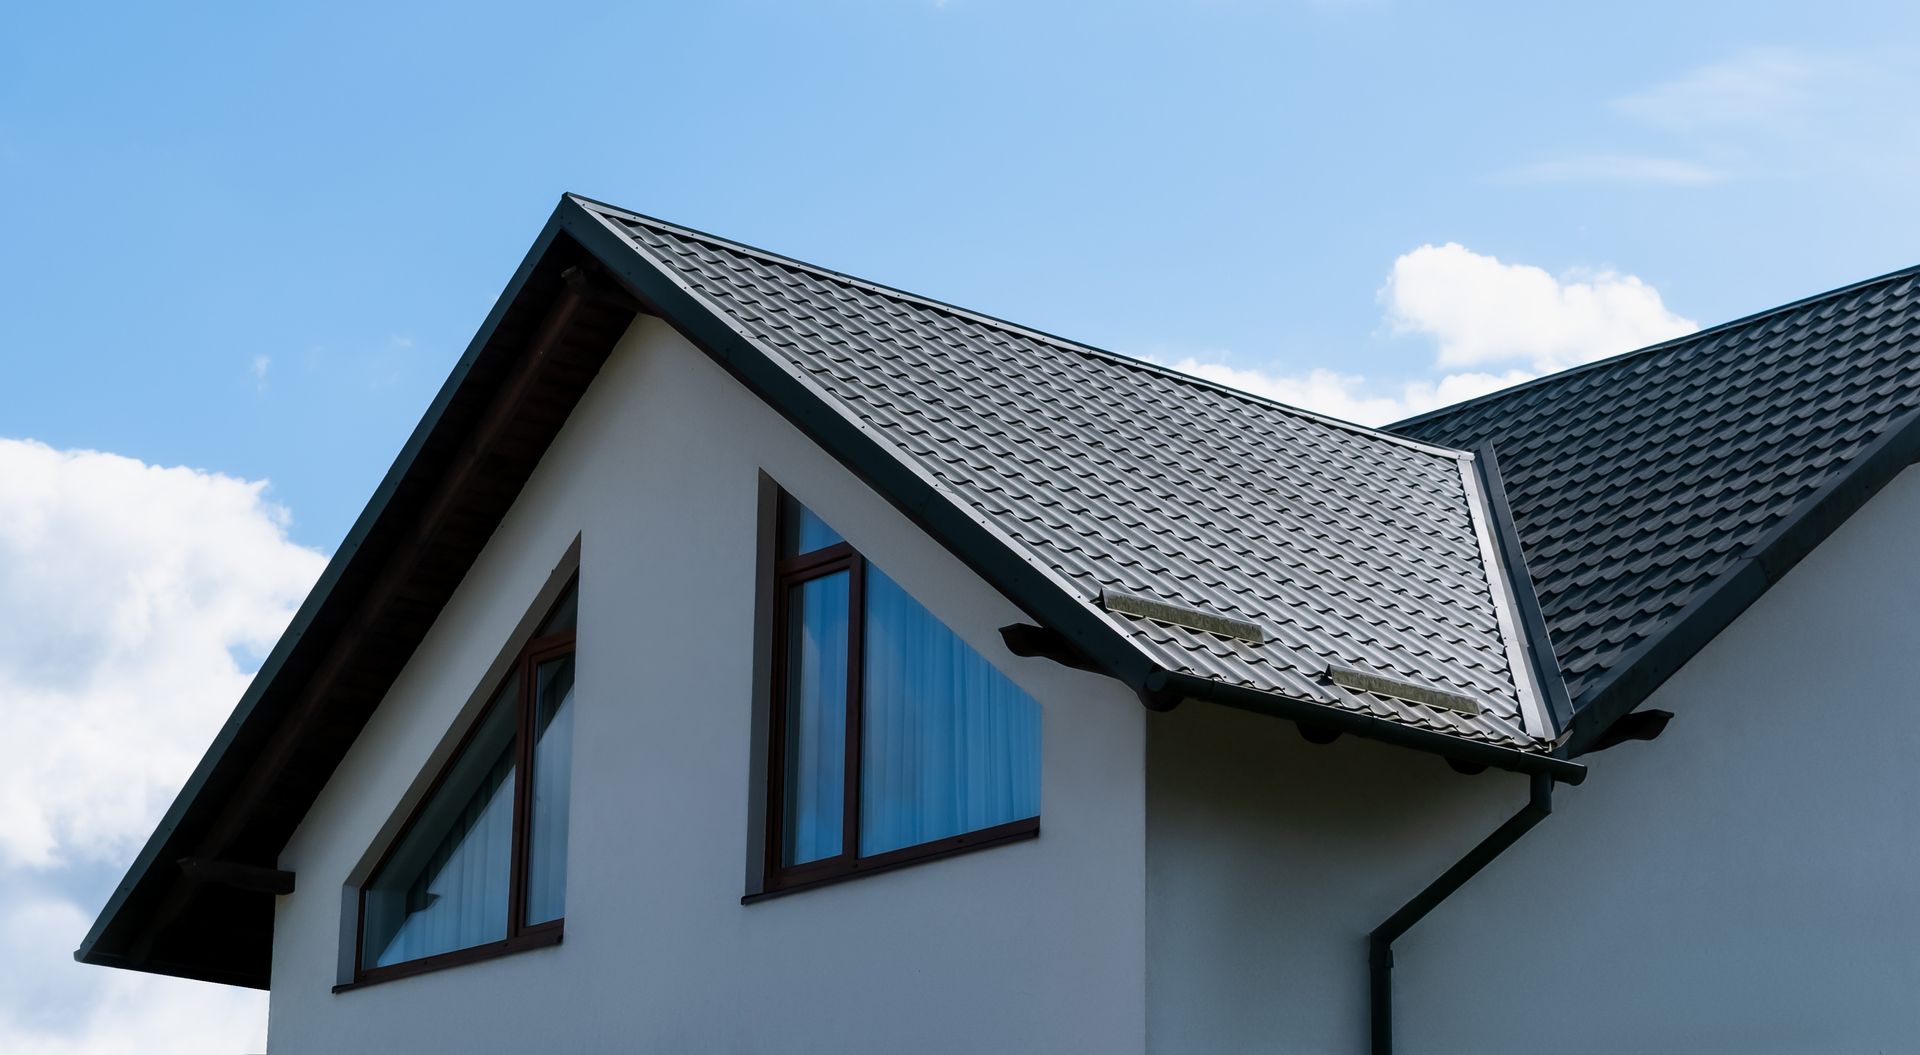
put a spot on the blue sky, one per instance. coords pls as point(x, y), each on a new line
point(250, 243)
point(343, 190)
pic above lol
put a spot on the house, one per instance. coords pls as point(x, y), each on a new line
point(745, 657)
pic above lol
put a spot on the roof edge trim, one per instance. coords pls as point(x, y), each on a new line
point(1535, 714)
point(1537, 640)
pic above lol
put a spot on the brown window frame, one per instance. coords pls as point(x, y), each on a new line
point(520, 934)
point(778, 878)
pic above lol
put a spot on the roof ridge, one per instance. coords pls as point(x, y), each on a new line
point(1910, 271)
point(1065, 343)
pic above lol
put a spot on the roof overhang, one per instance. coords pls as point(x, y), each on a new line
point(462, 467)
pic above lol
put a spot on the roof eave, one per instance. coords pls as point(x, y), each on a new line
point(1175, 686)
point(156, 856)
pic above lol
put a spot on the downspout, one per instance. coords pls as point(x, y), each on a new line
point(1380, 942)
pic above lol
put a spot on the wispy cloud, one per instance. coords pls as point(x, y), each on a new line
point(1493, 324)
point(1762, 87)
point(1620, 168)
point(261, 363)
point(1760, 113)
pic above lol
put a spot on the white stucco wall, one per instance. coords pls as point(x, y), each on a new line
point(1033, 947)
point(1746, 883)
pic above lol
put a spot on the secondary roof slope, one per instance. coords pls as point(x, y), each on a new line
point(1658, 492)
point(1352, 547)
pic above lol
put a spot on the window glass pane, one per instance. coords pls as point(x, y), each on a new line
point(552, 773)
point(801, 531)
point(445, 885)
point(816, 714)
point(948, 744)
point(566, 613)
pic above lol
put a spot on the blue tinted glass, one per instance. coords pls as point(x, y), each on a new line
point(816, 712)
point(948, 745)
point(552, 785)
point(801, 531)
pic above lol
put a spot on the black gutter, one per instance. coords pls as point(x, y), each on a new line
point(1164, 688)
point(1380, 942)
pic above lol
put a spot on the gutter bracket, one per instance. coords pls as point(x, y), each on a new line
point(1157, 693)
point(1037, 642)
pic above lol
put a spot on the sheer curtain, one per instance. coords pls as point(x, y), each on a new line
point(816, 766)
point(948, 744)
point(445, 885)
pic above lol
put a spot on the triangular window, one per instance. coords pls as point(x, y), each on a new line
point(480, 866)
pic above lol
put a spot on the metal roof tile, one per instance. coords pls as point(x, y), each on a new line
point(1352, 546)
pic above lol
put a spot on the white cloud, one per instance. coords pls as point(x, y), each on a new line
point(1480, 310)
point(125, 591)
point(134, 602)
point(260, 365)
point(1494, 324)
point(54, 1006)
point(1761, 88)
point(1620, 168)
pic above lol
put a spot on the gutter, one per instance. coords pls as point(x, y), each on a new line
point(1163, 689)
point(1380, 942)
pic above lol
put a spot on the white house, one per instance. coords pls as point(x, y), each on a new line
point(743, 657)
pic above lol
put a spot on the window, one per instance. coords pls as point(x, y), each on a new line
point(481, 865)
point(892, 740)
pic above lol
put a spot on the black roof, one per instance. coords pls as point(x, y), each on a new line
point(1658, 493)
point(1351, 547)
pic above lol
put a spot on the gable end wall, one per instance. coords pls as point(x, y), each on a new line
point(1034, 946)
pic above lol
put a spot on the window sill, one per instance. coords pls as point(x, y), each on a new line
point(1017, 831)
point(543, 936)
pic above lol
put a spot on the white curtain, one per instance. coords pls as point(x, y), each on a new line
point(948, 744)
point(444, 886)
point(455, 895)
